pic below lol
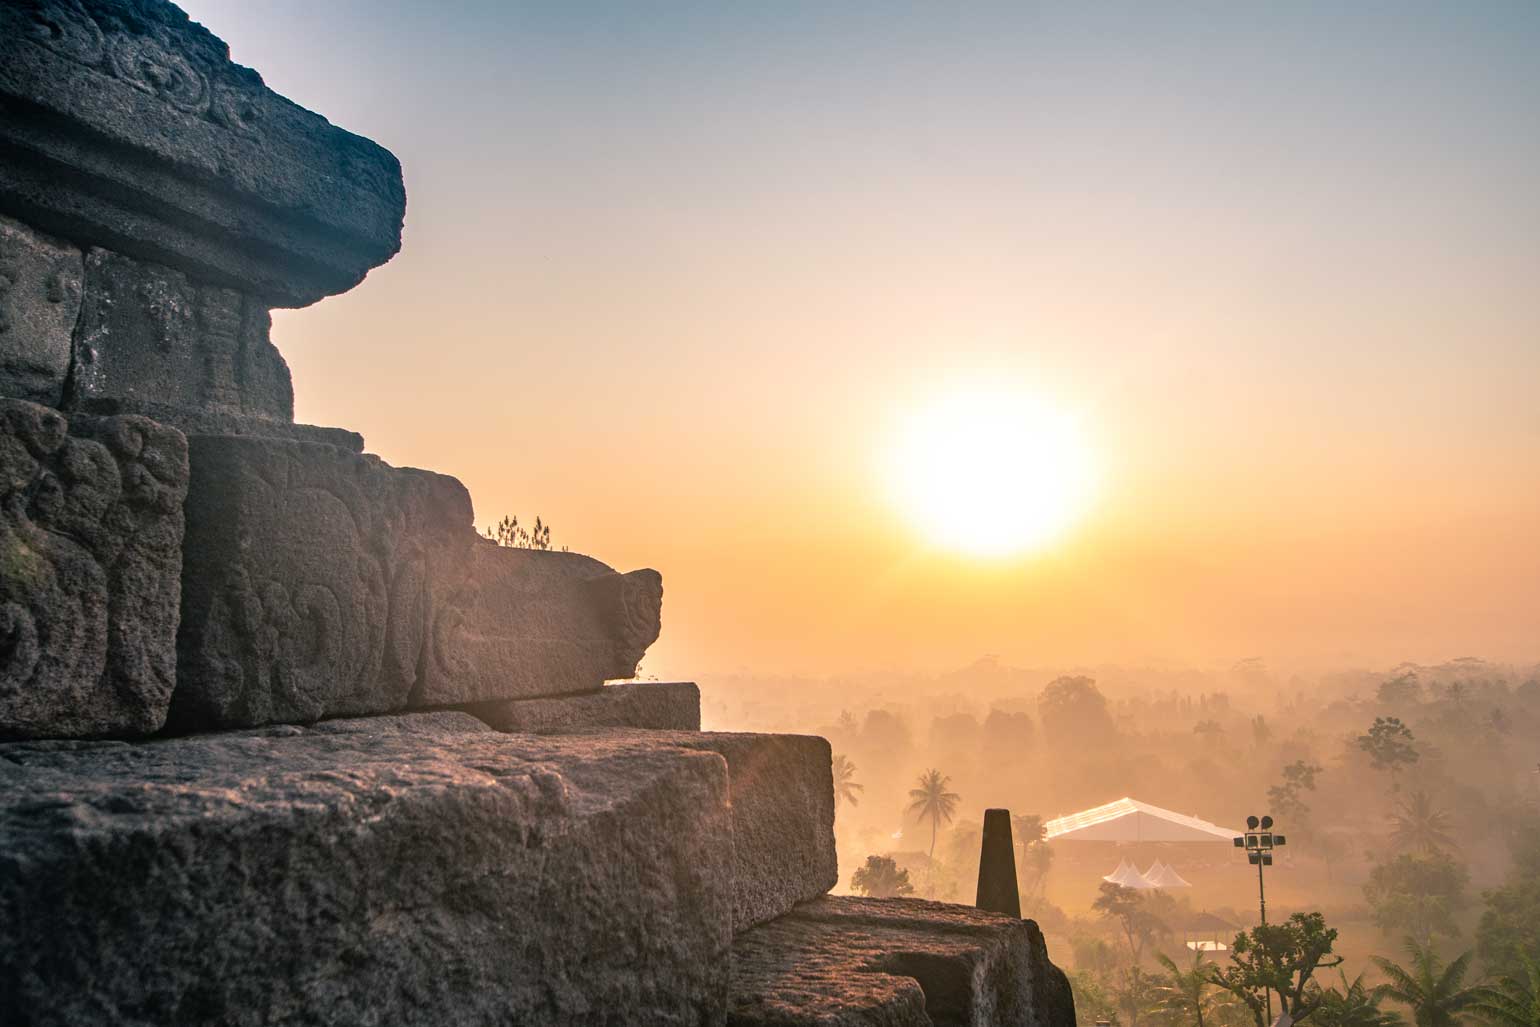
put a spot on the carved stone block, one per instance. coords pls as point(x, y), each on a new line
point(320, 582)
point(524, 623)
point(90, 565)
point(395, 870)
point(39, 304)
point(124, 124)
point(148, 333)
point(309, 578)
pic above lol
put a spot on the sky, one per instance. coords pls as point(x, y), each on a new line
point(676, 276)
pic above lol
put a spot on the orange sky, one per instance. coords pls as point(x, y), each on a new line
point(672, 282)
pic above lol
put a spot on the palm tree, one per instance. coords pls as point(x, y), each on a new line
point(931, 801)
point(845, 786)
point(1356, 1005)
point(1184, 991)
point(1513, 1001)
point(1420, 825)
point(1434, 993)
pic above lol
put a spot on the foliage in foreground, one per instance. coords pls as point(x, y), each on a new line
point(881, 878)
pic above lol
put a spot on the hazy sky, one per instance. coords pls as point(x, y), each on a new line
point(674, 273)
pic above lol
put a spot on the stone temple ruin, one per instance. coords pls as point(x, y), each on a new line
point(285, 741)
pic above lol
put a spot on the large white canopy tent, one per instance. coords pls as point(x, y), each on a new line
point(1130, 821)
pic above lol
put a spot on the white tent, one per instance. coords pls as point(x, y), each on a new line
point(1129, 876)
point(1129, 820)
point(1161, 875)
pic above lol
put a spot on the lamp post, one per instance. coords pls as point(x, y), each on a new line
point(1259, 841)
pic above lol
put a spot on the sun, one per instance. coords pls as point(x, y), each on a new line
point(991, 472)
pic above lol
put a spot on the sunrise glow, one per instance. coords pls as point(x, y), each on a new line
point(992, 472)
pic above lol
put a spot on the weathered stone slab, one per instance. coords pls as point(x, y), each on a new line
point(90, 564)
point(896, 962)
point(125, 125)
point(311, 576)
point(783, 816)
point(222, 422)
point(150, 334)
point(40, 281)
point(412, 870)
point(527, 623)
point(320, 582)
point(651, 705)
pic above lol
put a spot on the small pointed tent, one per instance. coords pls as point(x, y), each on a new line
point(1129, 820)
point(1162, 875)
point(1128, 876)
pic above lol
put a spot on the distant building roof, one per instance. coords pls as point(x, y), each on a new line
point(1129, 820)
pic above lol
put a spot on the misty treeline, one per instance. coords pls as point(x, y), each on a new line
point(1410, 797)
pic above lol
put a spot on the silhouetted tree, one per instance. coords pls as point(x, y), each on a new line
point(1282, 959)
point(1287, 797)
point(1355, 1004)
point(931, 801)
point(1436, 993)
point(1185, 990)
point(1388, 743)
point(1127, 906)
point(1514, 1000)
point(1074, 712)
point(1417, 892)
point(1401, 690)
point(1420, 825)
point(845, 787)
point(881, 878)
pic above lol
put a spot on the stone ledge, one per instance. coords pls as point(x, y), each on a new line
point(896, 962)
point(394, 870)
point(124, 124)
point(782, 793)
point(651, 705)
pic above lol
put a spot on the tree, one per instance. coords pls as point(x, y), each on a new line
point(1135, 992)
point(1092, 1000)
point(1280, 959)
point(1185, 991)
point(1401, 690)
point(1389, 744)
point(1514, 1001)
point(845, 786)
point(1355, 1005)
point(1287, 799)
point(1127, 907)
point(1510, 924)
point(1420, 825)
point(1208, 730)
point(931, 801)
point(881, 878)
point(1419, 893)
point(1074, 712)
point(1436, 994)
point(1036, 857)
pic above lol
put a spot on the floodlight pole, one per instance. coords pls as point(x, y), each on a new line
point(1261, 894)
point(1259, 842)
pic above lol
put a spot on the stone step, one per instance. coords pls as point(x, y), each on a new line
point(393, 870)
point(654, 705)
point(318, 582)
point(848, 961)
point(782, 793)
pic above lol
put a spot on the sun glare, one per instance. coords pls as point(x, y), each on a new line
point(992, 472)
